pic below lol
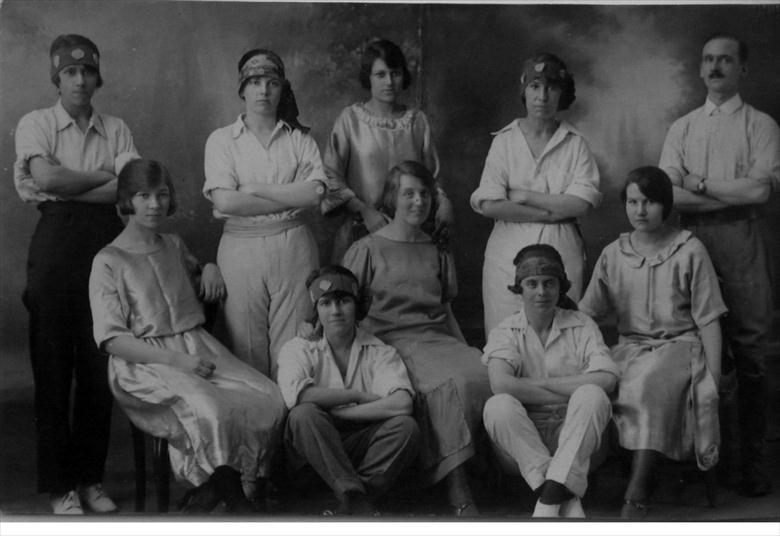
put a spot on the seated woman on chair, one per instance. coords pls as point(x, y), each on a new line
point(660, 282)
point(550, 371)
point(221, 417)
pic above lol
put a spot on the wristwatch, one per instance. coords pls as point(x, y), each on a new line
point(701, 187)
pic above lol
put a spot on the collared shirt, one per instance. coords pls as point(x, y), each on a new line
point(573, 347)
point(52, 134)
point(565, 167)
point(724, 143)
point(234, 157)
point(373, 367)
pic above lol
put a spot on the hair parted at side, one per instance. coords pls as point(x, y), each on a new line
point(742, 48)
point(140, 175)
point(654, 184)
point(393, 182)
point(390, 53)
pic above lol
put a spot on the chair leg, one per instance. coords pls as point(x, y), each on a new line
point(139, 459)
point(711, 486)
point(162, 473)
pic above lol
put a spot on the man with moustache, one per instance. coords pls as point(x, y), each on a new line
point(67, 159)
point(724, 160)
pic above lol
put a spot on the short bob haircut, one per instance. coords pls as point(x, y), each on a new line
point(361, 303)
point(742, 48)
point(72, 40)
point(541, 250)
point(568, 93)
point(654, 184)
point(390, 53)
point(393, 183)
point(140, 175)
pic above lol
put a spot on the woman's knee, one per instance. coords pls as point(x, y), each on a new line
point(590, 396)
point(303, 414)
point(500, 408)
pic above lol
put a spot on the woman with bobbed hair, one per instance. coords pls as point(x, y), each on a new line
point(262, 171)
point(411, 281)
point(661, 284)
point(539, 177)
point(222, 418)
point(368, 139)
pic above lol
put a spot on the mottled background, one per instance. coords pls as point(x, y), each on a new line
point(170, 73)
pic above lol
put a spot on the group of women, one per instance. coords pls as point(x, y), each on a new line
point(220, 409)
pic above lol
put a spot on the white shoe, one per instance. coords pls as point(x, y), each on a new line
point(546, 510)
point(573, 509)
point(96, 500)
point(67, 504)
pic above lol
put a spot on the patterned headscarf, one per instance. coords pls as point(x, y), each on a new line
point(82, 53)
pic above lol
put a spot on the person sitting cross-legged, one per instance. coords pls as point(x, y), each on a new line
point(350, 399)
point(550, 371)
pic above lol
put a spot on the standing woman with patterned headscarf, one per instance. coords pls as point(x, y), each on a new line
point(539, 177)
point(262, 171)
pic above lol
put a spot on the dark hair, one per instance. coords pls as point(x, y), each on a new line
point(541, 250)
point(72, 40)
point(361, 301)
point(393, 183)
point(288, 107)
point(387, 51)
point(568, 93)
point(654, 184)
point(742, 48)
point(139, 175)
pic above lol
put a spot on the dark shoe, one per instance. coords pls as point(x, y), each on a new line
point(633, 510)
point(227, 482)
point(200, 500)
point(756, 486)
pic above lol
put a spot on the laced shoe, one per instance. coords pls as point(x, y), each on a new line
point(67, 504)
point(96, 500)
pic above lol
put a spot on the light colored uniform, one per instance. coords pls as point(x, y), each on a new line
point(549, 442)
point(264, 259)
point(565, 167)
point(348, 455)
point(232, 418)
point(361, 150)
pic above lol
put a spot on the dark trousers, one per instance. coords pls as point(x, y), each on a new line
point(739, 255)
point(71, 450)
point(347, 455)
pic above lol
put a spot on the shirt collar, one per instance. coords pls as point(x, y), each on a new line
point(635, 260)
point(362, 338)
point(563, 319)
point(64, 120)
point(727, 108)
point(239, 127)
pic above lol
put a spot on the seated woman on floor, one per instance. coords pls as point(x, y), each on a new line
point(221, 417)
point(350, 399)
point(660, 282)
point(411, 281)
point(551, 373)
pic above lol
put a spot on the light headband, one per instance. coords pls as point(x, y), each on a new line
point(535, 266)
point(259, 65)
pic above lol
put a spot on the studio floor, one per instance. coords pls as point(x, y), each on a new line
point(679, 496)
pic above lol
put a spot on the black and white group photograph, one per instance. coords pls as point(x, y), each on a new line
point(419, 267)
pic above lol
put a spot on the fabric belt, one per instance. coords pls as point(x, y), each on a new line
point(724, 215)
point(243, 229)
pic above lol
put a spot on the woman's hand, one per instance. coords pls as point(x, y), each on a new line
point(445, 216)
point(192, 363)
point(365, 398)
point(373, 219)
point(212, 286)
point(519, 196)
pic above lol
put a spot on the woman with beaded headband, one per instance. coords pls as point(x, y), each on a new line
point(411, 281)
point(368, 139)
point(550, 371)
point(262, 171)
point(661, 284)
point(539, 176)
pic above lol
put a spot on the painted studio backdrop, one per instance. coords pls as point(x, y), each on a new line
point(170, 73)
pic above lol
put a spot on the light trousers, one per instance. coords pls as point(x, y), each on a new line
point(548, 445)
